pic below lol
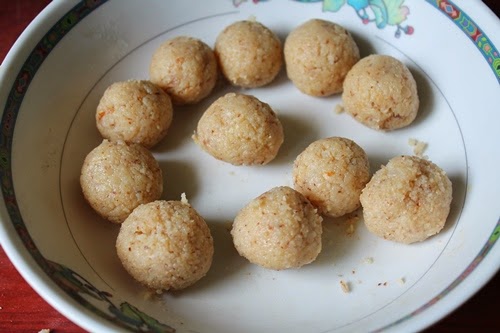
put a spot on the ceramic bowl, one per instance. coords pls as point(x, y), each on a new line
point(56, 72)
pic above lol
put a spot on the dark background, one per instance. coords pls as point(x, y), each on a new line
point(22, 310)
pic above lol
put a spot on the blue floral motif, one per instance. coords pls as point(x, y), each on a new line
point(125, 314)
point(383, 12)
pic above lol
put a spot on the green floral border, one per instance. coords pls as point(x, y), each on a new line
point(472, 30)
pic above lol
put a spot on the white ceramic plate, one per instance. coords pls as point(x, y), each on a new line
point(51, 83)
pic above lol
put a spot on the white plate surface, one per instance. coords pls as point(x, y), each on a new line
point(57, 71)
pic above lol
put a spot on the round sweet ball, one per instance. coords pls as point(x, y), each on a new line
point(240, 129)
point(381, 93)
point(318, 55)
point(135, 112)
point(407, 201)
point(331, 173)
point(249, 54)
point(278, 230)
point(165, 245)
point(116, 177)
point(185, 68)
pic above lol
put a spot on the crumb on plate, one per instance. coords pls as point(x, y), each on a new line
point(339, 108)
point(150, 294)
point(351, 220)
point(368, 260)
point(350, 230)
point(184, 198)
point(418, 146)
point(345, 286)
